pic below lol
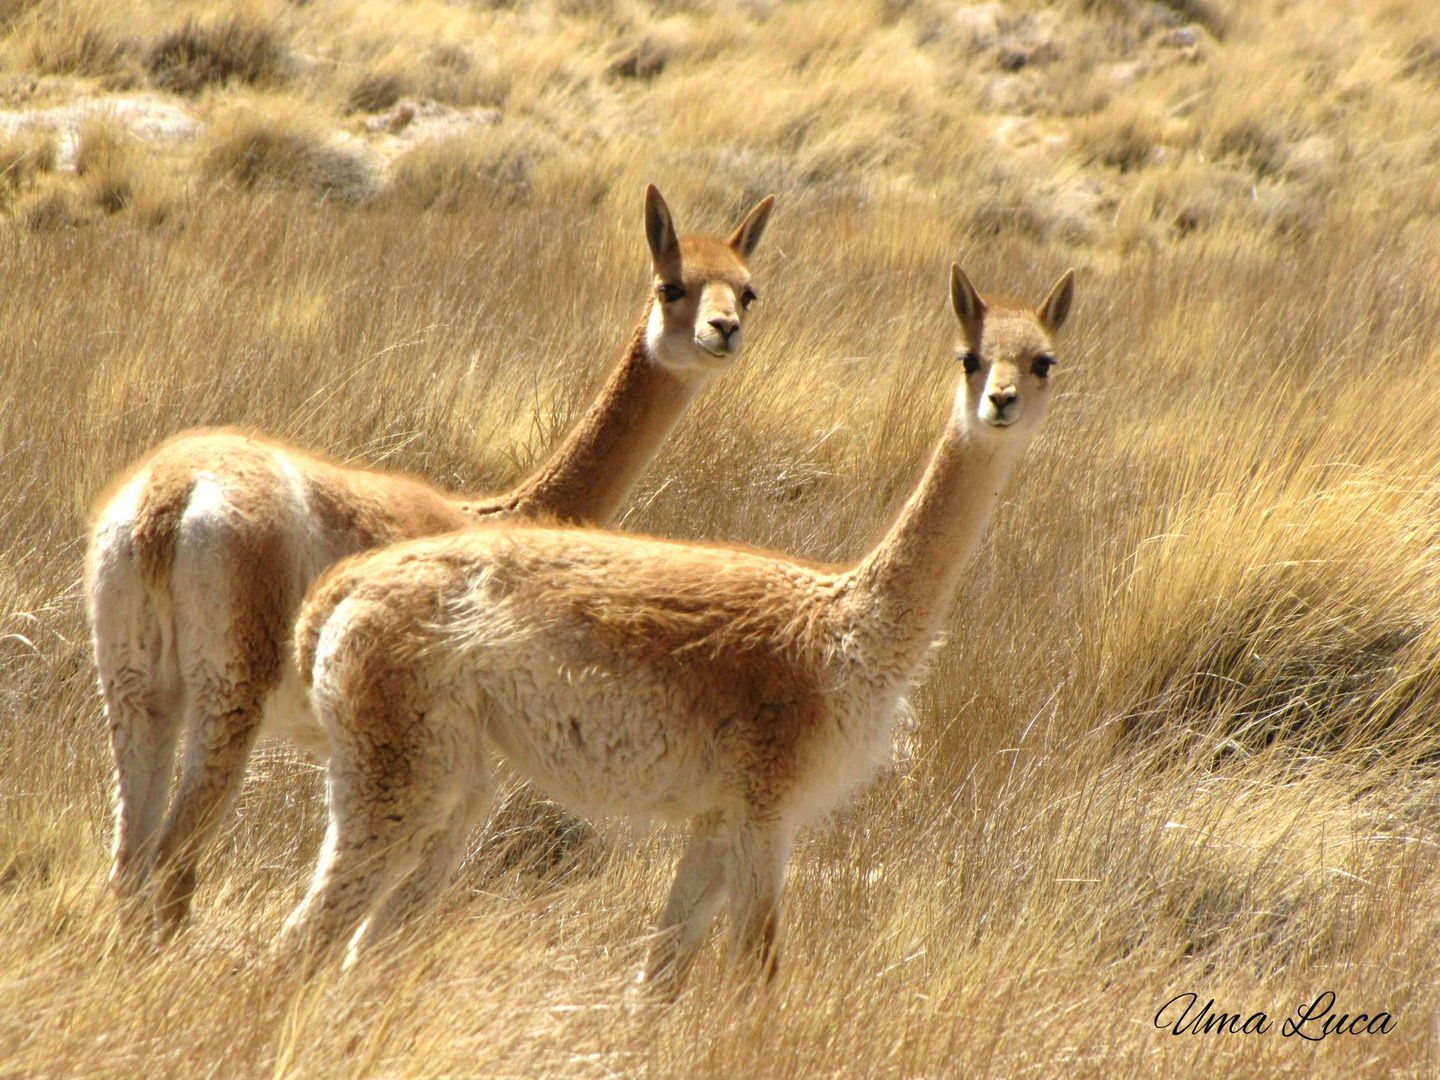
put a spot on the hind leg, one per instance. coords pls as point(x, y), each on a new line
point(221, 727)
point(440, 853)
point(138, 686)
point(348, 879)
point(400, 810)
point(231, 607)
point(143, 734)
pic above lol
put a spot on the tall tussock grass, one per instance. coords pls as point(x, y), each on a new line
point(197, 55)
point(1180, 735)
point(285, 152)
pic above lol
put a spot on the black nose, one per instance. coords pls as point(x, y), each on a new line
point(726, 326)
point(1002, 400)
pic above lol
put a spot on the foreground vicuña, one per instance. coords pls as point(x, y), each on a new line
point(201, 554)
point(741, 691)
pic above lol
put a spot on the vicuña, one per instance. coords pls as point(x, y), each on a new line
point(201, 554)
point(740, 691)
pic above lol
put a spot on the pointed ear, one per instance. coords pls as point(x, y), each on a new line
point(744, 239)
point(1056, 306)
point(659, 229)
point(969, 308)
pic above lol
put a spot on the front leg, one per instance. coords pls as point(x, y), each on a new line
point(755, 874)
point(695, 897)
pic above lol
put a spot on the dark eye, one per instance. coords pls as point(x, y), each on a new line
point(971, 362)
point(671, 293)
point(748, 297)
point(1042, 366)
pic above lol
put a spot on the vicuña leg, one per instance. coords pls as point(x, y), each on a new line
point(221, 726)
point(440, 854)
point(695, 898)
point(400, 811)
point(144, 727)
point(229, 648)
point(755, 875)
point(142, 709)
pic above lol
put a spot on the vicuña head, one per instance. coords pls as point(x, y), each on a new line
point(200, 556)
point(741, 692)
point(1006, 353)
point(702, 288)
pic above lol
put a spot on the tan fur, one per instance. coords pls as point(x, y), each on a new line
point(201, 553)
point(741, 691)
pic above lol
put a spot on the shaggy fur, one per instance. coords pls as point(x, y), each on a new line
point(743, 692)
point(201, 554)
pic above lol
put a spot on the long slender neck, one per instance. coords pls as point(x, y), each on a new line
point(900, 592)
point(589, 475)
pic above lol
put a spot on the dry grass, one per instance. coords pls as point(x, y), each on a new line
point(25, 156)
point(198, 55)
point(1181, 736)
point(288, 151)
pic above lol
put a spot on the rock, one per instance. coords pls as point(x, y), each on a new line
point(1314, 155)
point(1182, 37)
point(1125, 74)
point(414, 120)
point(1009, 94)
point(1015, 131)
point(146, 116)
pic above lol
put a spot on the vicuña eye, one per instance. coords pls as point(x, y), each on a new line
point(1042, 366)
point(971, 362)
point(748, 297)
point(671, 293)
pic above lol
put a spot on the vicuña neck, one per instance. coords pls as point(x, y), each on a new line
point(590, 474)
point(902, 589)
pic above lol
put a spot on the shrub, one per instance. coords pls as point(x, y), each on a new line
point(68, 44)
point(450, 174)
point(375, 92)
point(105, 159)
point(1121, 139)
point(196, 56)
point(1253, 144)
point(445, 73)
point(48, 212)
point(26, 154)
point(286, 153)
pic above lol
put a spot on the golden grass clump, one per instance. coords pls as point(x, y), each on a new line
point(461, 172)
point(49, 210)
point(106, 161)
point(196, 55)
point(65, 40)
point(256, 151)
point(1294, 631)
point(447, 73)
point(1121, 140)
point(376, 91)
point(30, 152)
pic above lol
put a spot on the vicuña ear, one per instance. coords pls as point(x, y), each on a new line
point(659, 229)
point(744, 239)
point(969, 308)
point(1056, 307)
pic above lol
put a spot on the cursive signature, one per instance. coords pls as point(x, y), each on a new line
point(1312, 1022)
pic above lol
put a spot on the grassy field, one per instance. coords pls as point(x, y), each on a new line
point(1181, 736)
